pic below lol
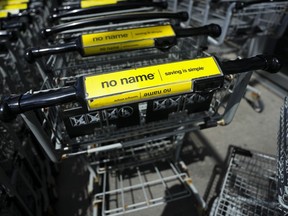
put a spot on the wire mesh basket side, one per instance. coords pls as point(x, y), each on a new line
point(281, 156)
point(249, 21)
point(137, 154)
point(249, 186)
point(233, 206)
point(251, 178)
point(137, 190)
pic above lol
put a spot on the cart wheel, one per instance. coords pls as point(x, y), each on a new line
point(255, 102)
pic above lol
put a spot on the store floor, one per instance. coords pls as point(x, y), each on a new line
point(251, 130)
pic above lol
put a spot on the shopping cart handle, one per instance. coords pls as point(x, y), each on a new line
point(13, 25)
point(267, 63)
point(212, 30)
point(107, 8)
point(160, 42)
point(183, 16)
point(32, 54)
point(8, 35)
point(13, 105)
point(240, 5)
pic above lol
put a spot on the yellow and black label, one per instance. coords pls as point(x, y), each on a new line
point(122, 40)
point(3, 14)
point(14, 6)
point(13, 2)
point(87, 3)
point(145, 83)
point(11, 11)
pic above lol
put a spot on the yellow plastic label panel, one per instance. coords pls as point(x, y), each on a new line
point(13, 2)
point(3, 14)
point(129, 45)
point(87, 4)
point(14, 6)
point(11, 11)
point(16, 1)
point(95, 43)
point(145, 83)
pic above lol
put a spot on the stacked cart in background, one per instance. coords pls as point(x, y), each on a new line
point(245, 24)
point(247, 185)
point(248, 28)
point(72, 42)
point(251, 183)
point(26, 174)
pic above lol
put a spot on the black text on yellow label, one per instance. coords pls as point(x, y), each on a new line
point(124, 39)
point(147, 83)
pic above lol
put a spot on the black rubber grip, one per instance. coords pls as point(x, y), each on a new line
point(13, 105)
point(183, 16)
point(107, 8)
point(267, 63)
point(212, 30)
point(32, 54)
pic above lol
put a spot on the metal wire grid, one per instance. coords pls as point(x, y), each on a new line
point(269, 18)
point(236, 207)
point(135, 155)
point(26, 192)
point(66, 71)
point(7, 145)
point(249, 187)
point(10, 78)
point(16, 163)
point(142, 9)
point(3, 198)
point(15, 73)
point(7, 205)
point(281, 157)
point(252, 177)
point(108, 133)
point(52, 123)
point(73, 33)
point(132, 190)
point(254, 20)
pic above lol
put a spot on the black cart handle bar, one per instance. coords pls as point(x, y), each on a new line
point(12, 105)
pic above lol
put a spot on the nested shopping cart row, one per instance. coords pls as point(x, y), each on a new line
point(119, 82)
point(245, 24)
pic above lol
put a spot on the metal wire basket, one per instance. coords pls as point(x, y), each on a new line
point(249, 186)
point(281, 157)
point(83, 129)
point(142, 187)
point(80, 124)
point(242, 18)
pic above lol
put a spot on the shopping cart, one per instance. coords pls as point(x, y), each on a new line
point(136, 113)
point(67, 41)
point(282, 158)
point(176, 5)
point(249, 185)
point(29, 16)
point(25, 179)
point(246, 19)
point(129, 136)
point(86, 11)
point(137, 178)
